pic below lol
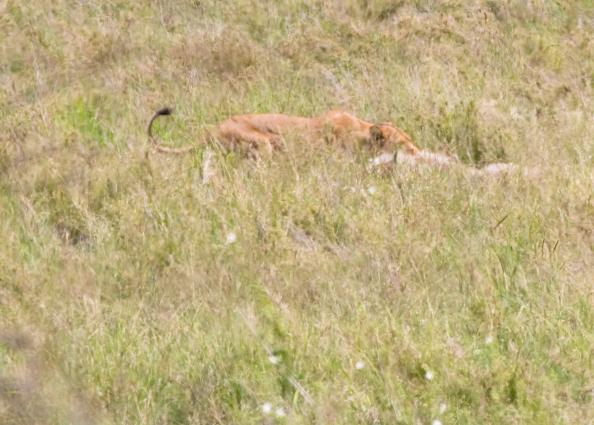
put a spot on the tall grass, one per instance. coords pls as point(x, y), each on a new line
point(306, 288)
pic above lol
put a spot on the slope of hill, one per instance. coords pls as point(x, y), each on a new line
point(304, 289)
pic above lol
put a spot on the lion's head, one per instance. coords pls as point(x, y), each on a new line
point(386, 136)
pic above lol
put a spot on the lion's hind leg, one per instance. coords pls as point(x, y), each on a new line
point(258, 144)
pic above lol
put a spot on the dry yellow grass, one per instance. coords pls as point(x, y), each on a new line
point(132, 291)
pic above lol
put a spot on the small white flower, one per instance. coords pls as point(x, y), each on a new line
point(371, 190)
point(489, 340)
point(436, 422)
point(231, 238)
point(274, 359)
point(266, 408)
point(359, 365)
point(280, 412)
point(429, 375)
point(442, 408)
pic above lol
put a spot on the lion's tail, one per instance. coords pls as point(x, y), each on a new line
point(158, 146)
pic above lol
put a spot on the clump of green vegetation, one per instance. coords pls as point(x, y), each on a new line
point(458, 130)
point(81, 120)
point(208, 288)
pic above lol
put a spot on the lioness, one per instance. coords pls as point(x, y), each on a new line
point(256, 133)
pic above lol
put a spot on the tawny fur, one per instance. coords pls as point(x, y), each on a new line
point(263, 133)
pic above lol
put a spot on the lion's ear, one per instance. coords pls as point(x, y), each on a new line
point(376, 133)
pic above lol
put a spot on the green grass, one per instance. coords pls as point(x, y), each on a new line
point(122, 300)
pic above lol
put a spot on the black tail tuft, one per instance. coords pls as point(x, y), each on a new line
point(153, 141)
point(163, 111)
point(167, 110)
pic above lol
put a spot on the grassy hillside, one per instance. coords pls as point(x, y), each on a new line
point(305, 289)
